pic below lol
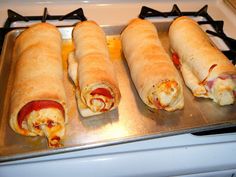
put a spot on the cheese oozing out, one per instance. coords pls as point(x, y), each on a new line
point(165, 95)
point(47, 122)
point(222, 91)
point(98, 102)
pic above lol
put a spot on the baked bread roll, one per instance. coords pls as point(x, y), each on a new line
point(38, 100)
point(206, 70)
point(153, 73)
point(92, 71)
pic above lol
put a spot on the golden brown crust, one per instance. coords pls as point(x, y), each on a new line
point(196, 50)
point(202, 64)
point(44, 31)
point(93, 69)
point(93, 39)
point(92, 55)
point(38, 70)
point(148, 62)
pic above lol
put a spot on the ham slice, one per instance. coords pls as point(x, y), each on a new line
point(205, 69)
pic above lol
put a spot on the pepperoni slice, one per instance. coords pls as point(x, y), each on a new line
point(102, 91)
point(175, 59)
point(35, 106)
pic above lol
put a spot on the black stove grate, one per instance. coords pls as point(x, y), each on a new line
point(217, 25)
point(13, 16)
point(78, 14)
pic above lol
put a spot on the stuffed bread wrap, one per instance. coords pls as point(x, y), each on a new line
point(92, 71)
point(205, 69)
point(38, 100)
point(153, 73)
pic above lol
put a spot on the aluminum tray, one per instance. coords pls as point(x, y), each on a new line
point(132, 121)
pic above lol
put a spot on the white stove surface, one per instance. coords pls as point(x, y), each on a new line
point(181, 155)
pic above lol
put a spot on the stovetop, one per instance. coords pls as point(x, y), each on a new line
point(220, 148)
point(15, 20)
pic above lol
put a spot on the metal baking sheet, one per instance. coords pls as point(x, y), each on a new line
point(132, 121)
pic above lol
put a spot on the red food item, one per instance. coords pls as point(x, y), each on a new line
point(50, 123)
point(203, 82)
point(158, 104)
point(210, 84)
point(175, 59)
point(55, 141)
point(35, 106)
point(105, 110)
point(35, 126)
point(102, 91)
point(56, 138)
point(224, 77)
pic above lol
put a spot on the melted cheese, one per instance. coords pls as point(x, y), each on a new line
point(94, 102)
point(67, 47)
point(167, 94)
point(83, 109)
point(73, 68)
point(47, 122)
point(114, 46)
point(222, 91)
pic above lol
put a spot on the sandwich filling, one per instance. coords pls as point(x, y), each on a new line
point(99, 98)
point(44, 118)
point(222, 89)
point(165, 95)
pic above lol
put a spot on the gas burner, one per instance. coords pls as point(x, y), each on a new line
point(144, 13)
point(13, 17)
point(77, 14)
point(217, 25)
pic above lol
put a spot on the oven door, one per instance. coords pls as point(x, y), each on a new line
point(182, 155)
